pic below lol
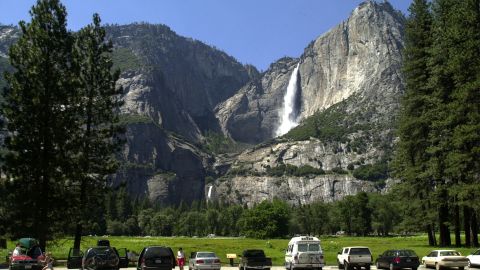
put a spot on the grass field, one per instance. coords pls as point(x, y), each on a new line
point(274, 248)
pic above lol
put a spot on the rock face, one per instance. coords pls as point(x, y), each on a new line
point(360, 56)
point(171, 86)
point(177, 90)
point(294, 190)
point(349, 76)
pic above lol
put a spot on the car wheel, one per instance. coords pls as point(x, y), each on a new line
point(367, 267)
point(347, 266)
point(377, 265)
point(437, 266)
point(340, 266)
point(414, 268)
point(461, 268)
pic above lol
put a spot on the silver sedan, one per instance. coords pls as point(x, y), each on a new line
point(203, 260)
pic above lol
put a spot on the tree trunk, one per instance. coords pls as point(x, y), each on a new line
point(458, 240)
point(431, 236)
point(474, 226)
point(466, 226)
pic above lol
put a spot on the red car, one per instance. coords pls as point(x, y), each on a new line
point(32, 256)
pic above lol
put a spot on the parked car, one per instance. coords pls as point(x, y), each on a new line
point(203, 260)
point(474, 259)
point(354, 257)
point(31, 257)
point(445, 258)
point(96, 258)
point(398, 259)
point(254, 259)
point(304, 252)
point(156, 258)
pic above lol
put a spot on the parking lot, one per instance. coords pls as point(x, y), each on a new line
point(236, 268)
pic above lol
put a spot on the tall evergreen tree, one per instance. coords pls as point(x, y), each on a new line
point(415, 125)
point(463, 65)
point(40, 112)
point(98, 138)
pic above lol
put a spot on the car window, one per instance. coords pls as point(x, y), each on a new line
point(345, 251)
point(206, 255)
point(449, 253)
point(34, 252)
point(302, 247)
point(433, 254)
point(253, 253)
point(313, 247)
point(155, 252)
point(359, 251)
point(406, 253)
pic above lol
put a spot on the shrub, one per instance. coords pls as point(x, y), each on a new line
point(372, 172)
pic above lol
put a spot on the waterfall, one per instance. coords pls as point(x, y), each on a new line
point(288, 115)
point(209, 194)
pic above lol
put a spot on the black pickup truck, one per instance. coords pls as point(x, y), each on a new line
point(254, 259)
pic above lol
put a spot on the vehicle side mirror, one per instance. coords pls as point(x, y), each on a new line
point(339, 253)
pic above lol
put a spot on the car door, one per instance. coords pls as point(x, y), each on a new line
point(383, 261)
point(191, 260)
point(74, 260)
point(123, 256)
point(431, 258)
point(475, 258)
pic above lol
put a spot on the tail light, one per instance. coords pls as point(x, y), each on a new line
point(216, 261)
point(200, 261)
point(396, 260)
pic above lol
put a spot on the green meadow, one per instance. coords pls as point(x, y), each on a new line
point(274, 248)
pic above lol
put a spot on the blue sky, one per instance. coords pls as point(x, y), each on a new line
point(255, 32)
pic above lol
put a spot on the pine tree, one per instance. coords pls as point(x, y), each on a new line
point(415, 124)
point(97, 138)
point(40, 112)
point(463, 65)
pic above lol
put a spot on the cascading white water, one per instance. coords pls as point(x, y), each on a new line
point(288, 119)
point(209, 194)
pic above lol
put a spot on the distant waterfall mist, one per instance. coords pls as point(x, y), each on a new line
point(289, 113)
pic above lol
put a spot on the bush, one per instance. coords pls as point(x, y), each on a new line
point(372, 172)
point(339, 170)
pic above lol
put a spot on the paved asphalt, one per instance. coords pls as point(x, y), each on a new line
point(236, 268)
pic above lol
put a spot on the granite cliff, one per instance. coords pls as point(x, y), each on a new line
point(178, 92)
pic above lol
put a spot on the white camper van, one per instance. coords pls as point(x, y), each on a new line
point(304, 252)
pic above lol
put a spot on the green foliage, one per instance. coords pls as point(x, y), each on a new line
point(41, 110)
point(339, 170)
point(266, 220)
point(124, 59)
point(331, 125)
point(372, 172)
point(288, 169)
point(219, 144)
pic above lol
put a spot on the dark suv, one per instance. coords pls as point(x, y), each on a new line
point(95, 258)
point(156, 258)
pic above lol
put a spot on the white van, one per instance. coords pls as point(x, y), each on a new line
point(304, 252)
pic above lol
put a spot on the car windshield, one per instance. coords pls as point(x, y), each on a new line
point(406, 253)
point(206, 255)
point(359, 251)
point(34, 252)
point(155, 252)
point(449, 253)
point(308, 247)
point(254, 253)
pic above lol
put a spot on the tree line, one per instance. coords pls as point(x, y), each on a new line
point(362, 214)
point(438, 154)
